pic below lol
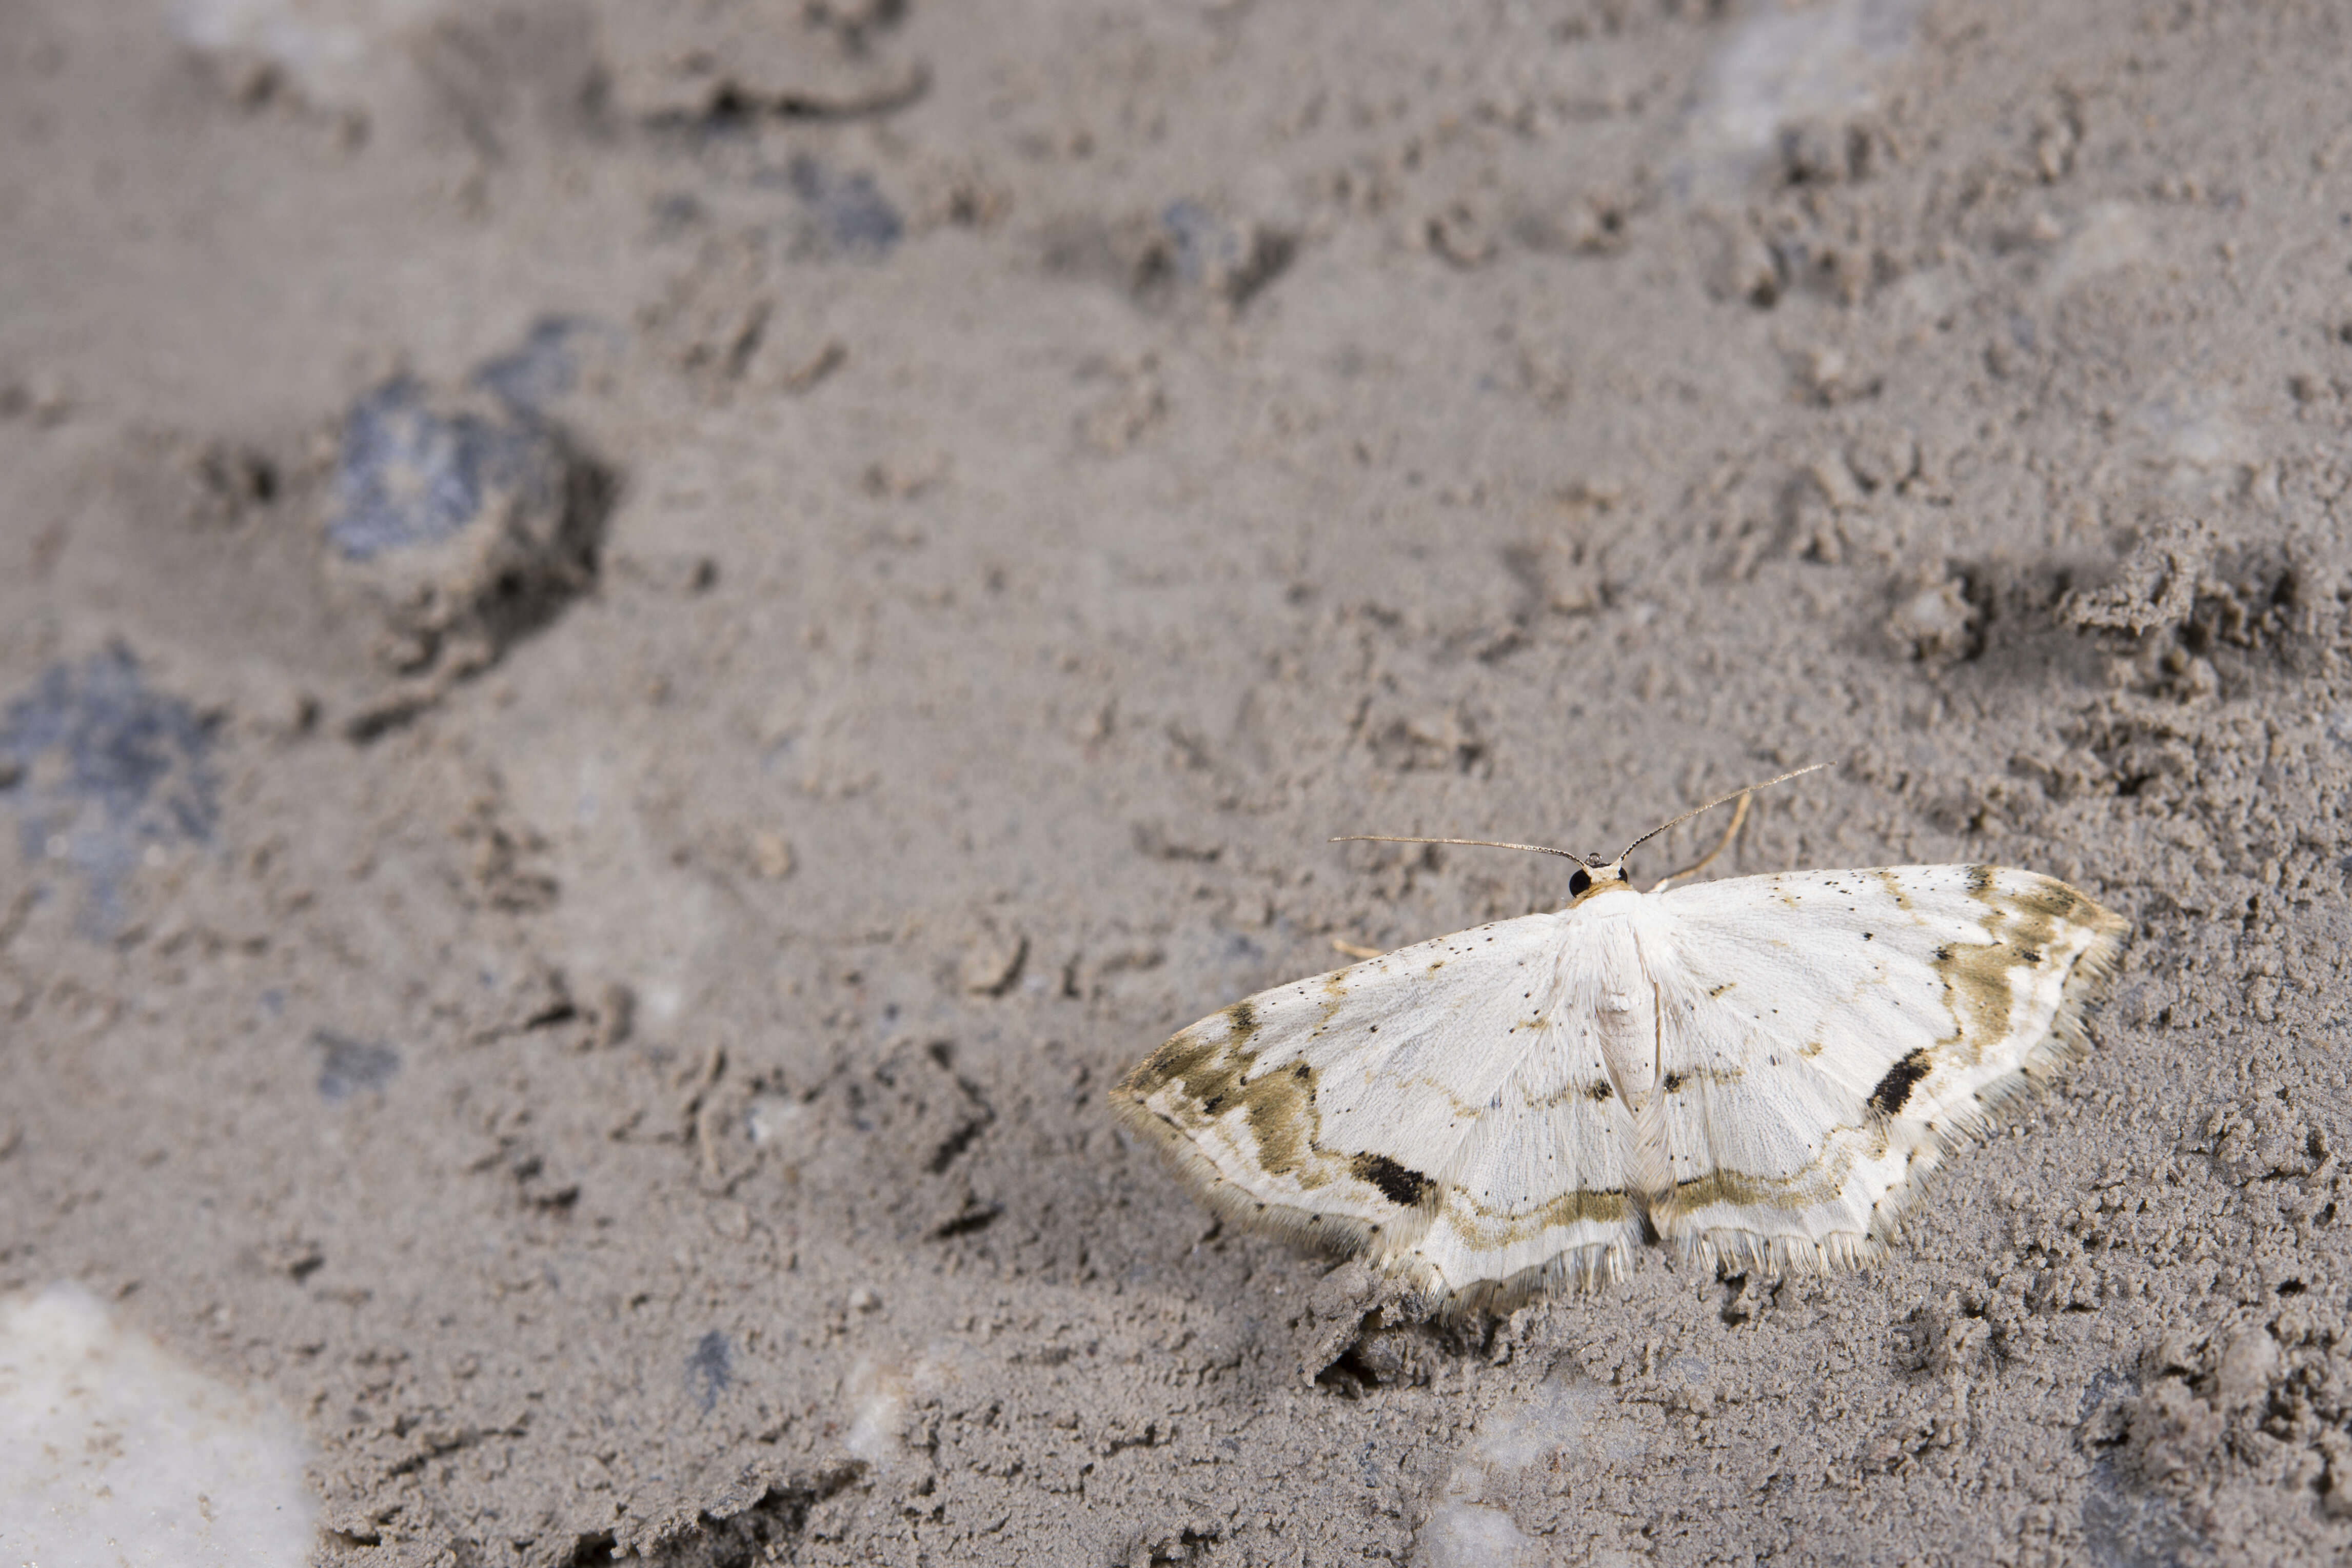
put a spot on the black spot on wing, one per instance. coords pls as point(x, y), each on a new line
point(1894, 1090)
point(1405, 1189)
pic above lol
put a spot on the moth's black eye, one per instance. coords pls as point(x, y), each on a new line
point(1578, 881)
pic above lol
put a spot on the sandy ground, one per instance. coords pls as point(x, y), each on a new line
point(639, 650)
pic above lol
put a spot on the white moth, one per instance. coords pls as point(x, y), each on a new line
point(1762, 1070)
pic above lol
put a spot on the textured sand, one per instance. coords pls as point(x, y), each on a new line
point(639, 649)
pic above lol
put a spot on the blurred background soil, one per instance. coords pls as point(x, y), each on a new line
point(641, 647)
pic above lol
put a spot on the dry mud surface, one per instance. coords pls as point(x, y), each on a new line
point(641, 647)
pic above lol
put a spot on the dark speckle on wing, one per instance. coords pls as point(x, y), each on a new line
point(1895, 1090)
point(1404, 1188)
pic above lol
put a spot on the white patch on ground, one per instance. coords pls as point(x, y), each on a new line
point(2195, 427)
point(2112, 236)
point(114, 1452)
point(1472, 1526)
point(334, 51)
point(1464, 1534)
point(879, 1391)
point(1788, 64)
point(877, 1408)
point(771, 1116)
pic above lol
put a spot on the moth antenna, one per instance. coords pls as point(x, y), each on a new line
point(1473, 843)
point(1720, 799)
point(1738, 815)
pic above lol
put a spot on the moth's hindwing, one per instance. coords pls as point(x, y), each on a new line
point(1825, 1036)
point(1424, 1108)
